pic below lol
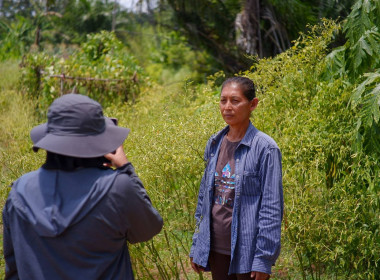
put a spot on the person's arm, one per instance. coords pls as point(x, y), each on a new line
point(198, 210)
point(198, 217)
point(270, 213)
point(9, 256)
point(141, 221)
point(198, 220)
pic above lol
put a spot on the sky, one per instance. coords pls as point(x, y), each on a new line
point(131, 4)
point(127, 3)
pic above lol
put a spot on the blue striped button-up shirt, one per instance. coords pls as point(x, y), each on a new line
point(258, 206)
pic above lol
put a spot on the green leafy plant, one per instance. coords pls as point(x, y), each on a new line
point(331, 190)
point(17, 38)
point(367, 97)
point(167, 57)
point(100, 68)
point(359, 60)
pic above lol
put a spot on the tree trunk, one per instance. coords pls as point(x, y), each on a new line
point(247, 25)
point(37, 36)
point(114, 13)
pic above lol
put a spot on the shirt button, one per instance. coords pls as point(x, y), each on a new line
point(237, 160)
point(212, 155)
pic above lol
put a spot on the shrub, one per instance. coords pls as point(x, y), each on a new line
point(100, 68)
point(168, 58)
point(331, 192)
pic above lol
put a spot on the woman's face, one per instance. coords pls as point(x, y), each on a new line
point(234, 106)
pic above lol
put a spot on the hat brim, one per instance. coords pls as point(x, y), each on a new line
point(86, 146)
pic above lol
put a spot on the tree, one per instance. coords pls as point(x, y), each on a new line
point(259, 32)
point(232, 29)
point(358, 62)
point(18, 36)
point(207, 24)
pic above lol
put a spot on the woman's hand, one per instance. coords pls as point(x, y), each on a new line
point(197, 268)
point(117, 159)
point(259, 275)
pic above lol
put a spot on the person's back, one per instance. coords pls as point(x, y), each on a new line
point(72, 221)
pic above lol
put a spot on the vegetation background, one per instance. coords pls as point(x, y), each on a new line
point(159, 71)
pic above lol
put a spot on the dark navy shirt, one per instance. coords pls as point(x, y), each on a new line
point(75, 225)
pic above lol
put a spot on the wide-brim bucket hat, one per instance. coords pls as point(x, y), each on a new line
point(76, 127)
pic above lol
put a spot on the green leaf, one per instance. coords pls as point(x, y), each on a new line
point(358, 92)
point(358, 21)
point(365, 45)
point(376, 112)
point(363, 56)
point(335, 63)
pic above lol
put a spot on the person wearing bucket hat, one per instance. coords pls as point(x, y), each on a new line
point(72, 218)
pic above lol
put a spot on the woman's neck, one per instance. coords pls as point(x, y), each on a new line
point(237, 132)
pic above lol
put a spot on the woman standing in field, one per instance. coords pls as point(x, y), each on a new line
point(240, 202)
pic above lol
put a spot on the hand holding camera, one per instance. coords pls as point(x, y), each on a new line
point(117, 159)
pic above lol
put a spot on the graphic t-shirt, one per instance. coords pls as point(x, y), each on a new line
point(223, 200)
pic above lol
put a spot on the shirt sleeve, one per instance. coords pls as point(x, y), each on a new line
point(198, 210)
point(9, 255)
point(270, 213)
point(198, 217)
point(140, 219)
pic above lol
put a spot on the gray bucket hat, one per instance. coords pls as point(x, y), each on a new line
point(76, 127)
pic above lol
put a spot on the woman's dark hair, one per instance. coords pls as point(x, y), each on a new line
point(245, 84)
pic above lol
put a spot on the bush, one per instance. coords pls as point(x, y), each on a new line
point(331, 192)
point(168, 58)
point(100, 68)
point(15, 38)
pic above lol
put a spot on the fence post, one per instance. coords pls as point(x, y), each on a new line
point(62, 82)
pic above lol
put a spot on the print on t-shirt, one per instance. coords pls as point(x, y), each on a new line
point(225, 187)
point(223, 198)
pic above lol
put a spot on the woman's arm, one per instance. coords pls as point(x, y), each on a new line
point(202, 187)
point(270, 214)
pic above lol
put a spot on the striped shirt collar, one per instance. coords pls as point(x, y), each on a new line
point(247, 139)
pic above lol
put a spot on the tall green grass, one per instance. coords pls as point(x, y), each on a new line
point(16, 119)
point(9, 75)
